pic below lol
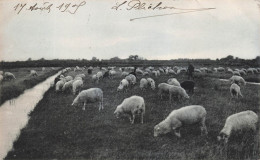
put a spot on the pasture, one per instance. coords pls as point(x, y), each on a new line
point(13, 88)
point(57, 130)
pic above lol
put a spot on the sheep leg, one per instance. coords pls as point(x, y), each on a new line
point(178, 134)
point(142, 118)
point(83, 108)
point(240, 94)
point(203, 126)
point(133, 120)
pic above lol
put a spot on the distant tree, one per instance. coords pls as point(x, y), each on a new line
point(95, 59)
point(115, 58)
point(42, 59)
point(29, 59)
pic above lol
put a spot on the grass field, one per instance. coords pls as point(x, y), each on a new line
point(56, 130)
point(12, 89)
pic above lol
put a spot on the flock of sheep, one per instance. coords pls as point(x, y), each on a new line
point(8, 76)
point(135, 105)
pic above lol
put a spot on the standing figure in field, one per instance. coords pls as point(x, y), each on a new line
point(190, 71)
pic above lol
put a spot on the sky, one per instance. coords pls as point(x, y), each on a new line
point(231, 28)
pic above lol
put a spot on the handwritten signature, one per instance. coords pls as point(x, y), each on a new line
point(139, 5)
point(71, 8)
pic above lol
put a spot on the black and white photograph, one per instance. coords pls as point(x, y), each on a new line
point(130, 79)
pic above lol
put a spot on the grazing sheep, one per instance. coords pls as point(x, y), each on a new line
point(151, 82)
point(78, 78)
point(173, 81)
point(124, 74)
point(236, 73)
point(146, 73)
point(238, 80)
point(178, 91)
point(163, 88)
point(67, 86)
point(242, 73)
point(89, 96)
point(1, 72)
point(76, 86)
point(81, 75)
point(131, 79)
point(112, 73)
point(33, 73)
point(9, 76)
point(94, 78)
point(99, 75)
point(123, 85)
point(185, 115)
point(59, 85)
point(246, 120)
point(188, 85)
point(155, 73)
point(106, 75)
point(235, 90)
point(68, 78)
point(131, 106)
point(143, 83)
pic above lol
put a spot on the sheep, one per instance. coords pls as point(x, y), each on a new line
point(242, 73)
point(43, 68)
point(59, 85)
point(76, 86)
point(106, 74)
point(99, 75)
point(1, 72)
point(188, 85)
point(151, 82)
point(81, 75)
point(146, 73)
point(68, 78)
point(238, 80)
point(9, 76)
point(94, 78)
point(143, 83)
point(131, 106)
point(163, 88)
point(67, 86)
point(78, 78)
point(124, 74)
point(178, 91)
point(33, 73)
point(236, 73)
point(235, 90)
point(246, 120)
point(112, 73)
point(90, 95)
point(185, 115)
point(155, 73)
point(173, 81)
point(131, 79)
point(123, 85)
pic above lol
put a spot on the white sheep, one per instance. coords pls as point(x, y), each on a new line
point(163, 88)
point(131, 79)
point(155, 73)
point(124, 74)
point(89, 96)
point(178, 91)
point(177, 118)
point(9, 76)
point(78, 78)
point(94, 78)
point(99, 75)
point(123, 85)
point(112, 73)
point(67, 86)
point(1, 72)
point(151, 82)
point(131, 106)
point(143, 84)
point(81, 75)
point(235, 90)
point(173, 81)
point(76, 86)
point(238, 80)
point(59, 85)
point(68, 78)
point(33, 73)
point(245, 120)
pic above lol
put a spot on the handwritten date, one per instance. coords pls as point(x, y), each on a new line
point(71, 8)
